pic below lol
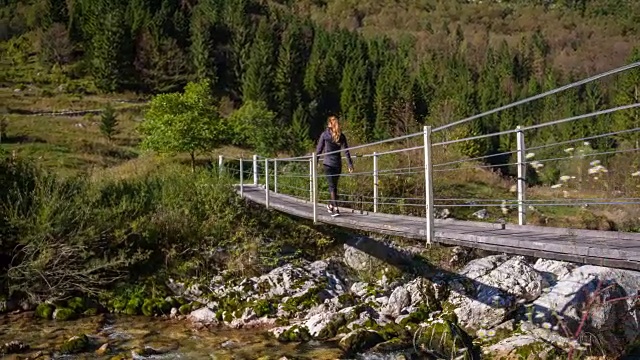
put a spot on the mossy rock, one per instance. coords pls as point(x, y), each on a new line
point(134, 306)
point(295, 333)
point(186, 309)
point(282, 322)
point(77, 304)
point(64, 314)
point(75, 345)
point(44, 311)
point(393, 345)
point(360, 340)
point(446, 339)
point(148, 307)
point(421, 314)
point(331, 329)
point(538, 350)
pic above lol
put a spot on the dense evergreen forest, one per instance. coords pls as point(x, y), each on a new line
point(385, 67)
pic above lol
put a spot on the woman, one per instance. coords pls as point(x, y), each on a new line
point(332, 141)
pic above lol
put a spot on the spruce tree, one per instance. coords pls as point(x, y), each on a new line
point(109, 123)
point(256, 81)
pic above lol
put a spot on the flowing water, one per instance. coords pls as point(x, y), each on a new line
point(171, 339)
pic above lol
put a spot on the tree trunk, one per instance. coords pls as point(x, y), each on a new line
point(193, 161)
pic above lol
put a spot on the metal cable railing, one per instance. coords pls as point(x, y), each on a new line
point(369, 189)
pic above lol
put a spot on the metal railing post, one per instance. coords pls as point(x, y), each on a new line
point(255, 170)
point(311, 180)
point(266, 181)
point(275, 176)
point(375, 182)
point(220, 165)
point(428, 185)
point(314, 187)
point(241, 178)
point(522, 173)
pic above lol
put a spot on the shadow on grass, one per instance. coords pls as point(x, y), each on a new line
point(22, 139)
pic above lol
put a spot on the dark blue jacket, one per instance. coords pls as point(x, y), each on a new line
point(326, 144)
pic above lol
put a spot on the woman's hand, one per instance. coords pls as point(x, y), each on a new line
point(350, 170)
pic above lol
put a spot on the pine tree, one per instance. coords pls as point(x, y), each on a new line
point(109, 123)
point(289, 67)
point(106, 46)
point(300, 132)
point(256, 81)
point(354, 98)
point(201, 43)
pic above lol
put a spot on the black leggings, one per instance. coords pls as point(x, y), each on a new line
point(333, 175)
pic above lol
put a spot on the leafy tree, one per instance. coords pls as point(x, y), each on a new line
point(183, 122)
point(109, 122)
point(254, 125)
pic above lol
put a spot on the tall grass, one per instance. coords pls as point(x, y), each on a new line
point(82, 234)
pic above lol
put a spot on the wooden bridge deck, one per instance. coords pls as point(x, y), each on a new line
point(603, 248)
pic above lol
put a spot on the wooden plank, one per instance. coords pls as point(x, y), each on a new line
point(587, 247)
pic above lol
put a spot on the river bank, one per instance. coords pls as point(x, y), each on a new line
point(355, 305)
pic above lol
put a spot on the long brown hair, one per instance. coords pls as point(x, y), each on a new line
point(334, 128)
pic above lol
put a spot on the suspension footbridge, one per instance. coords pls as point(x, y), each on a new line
point(392, 190)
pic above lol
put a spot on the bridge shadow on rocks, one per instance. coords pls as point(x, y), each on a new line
point(413, 264)
point(575, 297)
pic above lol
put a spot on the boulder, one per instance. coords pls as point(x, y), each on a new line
point(358, 260)
point(495, 288)
point(204, 316)
point(526, 347)
point(400, 298)
point(552, 270)
point(442, 338)
point(360, 340)
point(324, 325)
point(609, 298)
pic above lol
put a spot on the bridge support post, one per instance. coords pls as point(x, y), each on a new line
point(275, 176)
point(428, 186)
point(241, 178)
point(220, 165)
point(310, 180)
point(522, 173)
point(255, 170)
point(375, 182)
point(266, 181)
point(314, 187)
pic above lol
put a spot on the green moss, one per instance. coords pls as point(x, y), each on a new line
point(91, 312)
point(227, 316)
point(119, 304)
point(418, 316)
point(446, 338)
point(44, 311)
point(75, 345)
point(147, 307)
point(163, 307)
point(186, 309)
point(219, 314)
point(331, 329)
point(360, 340)
point(76, 304)
point(305, 301)
point(295, 333)
point(282, 322)
point(539, 350)
point(134, 306)
point(196, 305)
point(263, 307)
point(395, 344)
point(64, 314)
point(180, 300)
point(347, 299)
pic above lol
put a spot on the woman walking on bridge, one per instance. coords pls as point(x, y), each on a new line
point(332, 141)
